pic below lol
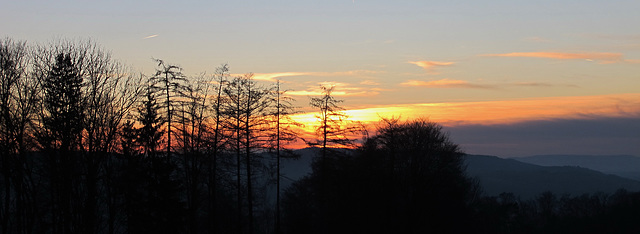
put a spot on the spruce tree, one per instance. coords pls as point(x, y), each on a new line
point(150, 134)
point(62, 128)
point(63, 102)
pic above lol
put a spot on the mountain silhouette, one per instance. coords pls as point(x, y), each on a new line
point(621, 165)
point(497, 175)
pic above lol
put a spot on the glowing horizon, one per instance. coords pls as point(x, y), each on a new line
point(497, 112)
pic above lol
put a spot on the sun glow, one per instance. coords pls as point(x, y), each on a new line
point(492, 112)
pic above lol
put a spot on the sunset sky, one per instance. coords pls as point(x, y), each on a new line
point(507, 78)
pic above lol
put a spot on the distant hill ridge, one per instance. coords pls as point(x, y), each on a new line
point(627, 166)
point(499, 175)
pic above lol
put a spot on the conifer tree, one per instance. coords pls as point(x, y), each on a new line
point(62, 124)
point(63, 103)
point(149, 134)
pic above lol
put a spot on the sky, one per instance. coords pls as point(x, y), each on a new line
point(506, 78)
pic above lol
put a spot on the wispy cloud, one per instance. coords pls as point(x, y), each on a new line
point(593, 56)
point(444, 83)
point(274, 76)
point(354, 73)
point(430, 66)
point(341, 89)
point(152, 36)
point(448, 83)
point(542, 84)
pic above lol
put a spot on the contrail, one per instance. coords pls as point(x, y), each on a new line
point(152, 36)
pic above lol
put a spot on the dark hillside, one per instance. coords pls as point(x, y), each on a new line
point(499, 175)
point(627, 166)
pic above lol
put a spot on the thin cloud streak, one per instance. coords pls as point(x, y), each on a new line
point(152, 36)
point(430, 66)
point(354, 73)
point(274, 76)
point(540, 84)
point(448, 83)
point(342, 90)
point(596, 56)
point(444, 83)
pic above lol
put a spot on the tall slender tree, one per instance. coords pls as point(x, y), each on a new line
point(249, 111)
point(233, 115)
point(334, 131)
point(63, 124)
point(282, 134)
point(170, 84)
point(18, 100)
point(221, 77)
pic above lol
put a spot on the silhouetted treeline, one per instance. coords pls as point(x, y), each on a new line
point(550, 213)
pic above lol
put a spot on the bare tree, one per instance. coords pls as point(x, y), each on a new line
point(335, 128)
point(232, 110)
point(18, 100)
point(81, 117)
point(249, 111)
point(192, 122)
point(280, 135)
point(334, 132)
point(221, 77)
point(170, 85)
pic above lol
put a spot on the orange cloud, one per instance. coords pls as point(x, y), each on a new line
point(444, 83)
point(602, 57)
point(491, 112)
point(275, 75)
point(501, 112)
point(430, 65)
point(541, 84)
